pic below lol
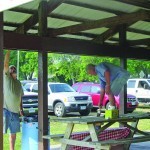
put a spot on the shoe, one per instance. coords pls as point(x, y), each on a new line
point(98, 112)
point(111, 107)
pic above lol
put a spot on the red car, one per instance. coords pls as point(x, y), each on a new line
point(93, 89)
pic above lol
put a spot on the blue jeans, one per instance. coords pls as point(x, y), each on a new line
point(11, 121)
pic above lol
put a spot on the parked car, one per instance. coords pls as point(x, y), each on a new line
point(23, 82)
point(30, 103)
point(62, 99)
point(140, 88)
point(93, 89)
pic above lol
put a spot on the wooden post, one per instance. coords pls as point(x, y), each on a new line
point(123, 63)
point(1, 80)
point(42, 81)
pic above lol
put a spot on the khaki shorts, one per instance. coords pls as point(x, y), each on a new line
point(118, 84)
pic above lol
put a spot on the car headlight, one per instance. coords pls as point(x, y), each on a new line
point(70, 99)
point(90, 98)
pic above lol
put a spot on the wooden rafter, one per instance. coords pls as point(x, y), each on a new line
point(85, 5)
point(144, 42)
point(90, 35)
point(106, 35)
point(139, 42)
point(139, 3)
point(31, 21)
point(109, 33)
point(64, 17)
point(138, 31)
point(113, 21)
point(52, 15)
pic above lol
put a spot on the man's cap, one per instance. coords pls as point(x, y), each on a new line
point(12, 69)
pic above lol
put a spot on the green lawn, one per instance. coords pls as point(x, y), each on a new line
point(58, 128)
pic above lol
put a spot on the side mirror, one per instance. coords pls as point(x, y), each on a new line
point(28, 90)
point(146, 86)
point(98, 92)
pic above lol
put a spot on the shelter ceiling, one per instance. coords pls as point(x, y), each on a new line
point(96, 21)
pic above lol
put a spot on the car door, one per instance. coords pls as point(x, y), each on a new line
point(95, 93)
point(131, 87)
point(143, 90)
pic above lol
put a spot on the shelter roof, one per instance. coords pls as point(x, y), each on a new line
point(97, 21)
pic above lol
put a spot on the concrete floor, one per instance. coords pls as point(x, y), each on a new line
point(135, 146)
point(140, 146)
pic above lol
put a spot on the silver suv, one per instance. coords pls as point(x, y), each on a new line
point(62, 99)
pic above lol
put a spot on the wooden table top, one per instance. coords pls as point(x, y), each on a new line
point(93, 119)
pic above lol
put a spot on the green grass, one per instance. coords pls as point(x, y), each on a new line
point(59, 128)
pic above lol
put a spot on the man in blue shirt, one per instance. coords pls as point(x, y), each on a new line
point(112, 79)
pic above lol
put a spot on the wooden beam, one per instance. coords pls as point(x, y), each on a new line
point(65, 17)
point(139, 42)
point(94, 7)
point(106, 35)
point(101, 38)
point(123, 63)
point(138, 31)
point(31, 21)
point(117, 20)
point(1, 80)
point(25, 41)
point(70, 46)
point(139, 3)
point(52, 15)
point(43, 123)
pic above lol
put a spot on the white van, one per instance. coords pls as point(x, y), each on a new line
point(140, 88)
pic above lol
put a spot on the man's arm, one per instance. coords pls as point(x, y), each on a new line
point(6, 61)
point(102, 93)
point(107, 77)
point(21, 108)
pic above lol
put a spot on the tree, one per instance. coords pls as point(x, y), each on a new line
point(136, 66)
point(64, 65)
point(28, 64)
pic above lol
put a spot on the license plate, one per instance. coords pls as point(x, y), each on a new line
point(133, 103)
point(31, 110)
point(82, 107)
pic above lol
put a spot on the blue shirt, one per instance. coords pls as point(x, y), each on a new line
point(115, 71)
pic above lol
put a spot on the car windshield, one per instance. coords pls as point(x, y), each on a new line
point(24, 89)
point(56, 88)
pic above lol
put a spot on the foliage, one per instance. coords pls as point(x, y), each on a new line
point(136, 66)
point(70, 68)
point(28, 64)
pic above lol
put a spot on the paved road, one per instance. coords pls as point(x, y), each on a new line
point(73, 114)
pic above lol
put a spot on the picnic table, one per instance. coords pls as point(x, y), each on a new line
point(128, 120)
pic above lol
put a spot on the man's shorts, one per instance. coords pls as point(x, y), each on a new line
point(11, 121)
point(118, 83)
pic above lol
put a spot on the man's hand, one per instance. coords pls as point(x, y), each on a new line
point(102, 93)
point(21, 113)
point(100, 105)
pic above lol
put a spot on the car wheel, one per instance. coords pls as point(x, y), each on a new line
point(130, 111)
point(59, 109)
point(84, 112)
point(107, 105)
